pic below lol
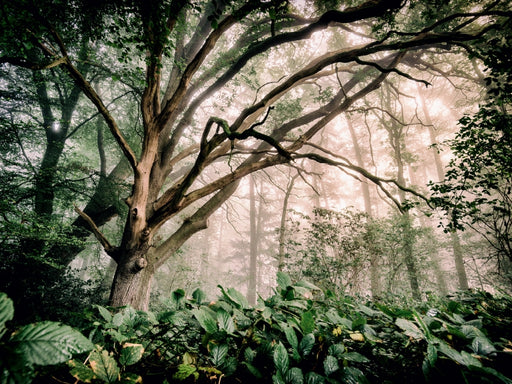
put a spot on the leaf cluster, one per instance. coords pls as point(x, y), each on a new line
point(38, 344)
point(298, 335)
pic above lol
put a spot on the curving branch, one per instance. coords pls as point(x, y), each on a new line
point(345, 163)
point(92, 95)
point(387, 70)
point(111, 250)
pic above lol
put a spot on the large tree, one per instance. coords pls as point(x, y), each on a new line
point(219, 79)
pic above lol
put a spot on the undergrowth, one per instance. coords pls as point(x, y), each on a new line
point(299, 335)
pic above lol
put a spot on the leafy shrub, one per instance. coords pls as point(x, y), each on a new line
point(39, 344)
point(299, 335)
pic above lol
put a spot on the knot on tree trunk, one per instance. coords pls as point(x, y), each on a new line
point(140, 264)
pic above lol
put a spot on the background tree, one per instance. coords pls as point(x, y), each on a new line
point(477, 188)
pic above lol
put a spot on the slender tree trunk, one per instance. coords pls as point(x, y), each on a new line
point(282, 228)
point(454, 237)
point(410, 262)
point(253, 258)
point(459, 262)
point(433, 254)
point(365, 189)
point(409, 236)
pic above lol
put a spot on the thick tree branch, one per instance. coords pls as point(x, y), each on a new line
point(175, 100)
point(24, 63)
point(368, 9)
point(111, 250)
point(91, 94)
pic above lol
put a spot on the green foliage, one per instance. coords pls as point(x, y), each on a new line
point(40, 344)
point(287, 338)
point(477, 187)
point(336, 249)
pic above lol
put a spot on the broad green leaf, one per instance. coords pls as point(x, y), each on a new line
point(249, 354)
point(177, 297)
point(278, 378)
point(471, 331)
point(49, 343)
point(104, 366)
point(131, 354)
point(333, 316)
point(352, 375)
point(205, 319)
point(267, 313)
point(431, 355)
point(330, 365)
point(355, 356)
point(301, 304)
point(482, 346)
point(306, 344)
point(424, 327)
point(184, 371)
point(225, 321)
point(281, 359)
point(118, 319)
point(294, 376)
point(235, 297)
point(283, 280)
point(307, 322)
point(6, 311)
point(229, 366)
point(105, 313)
point(369, 311)
point(337, 350)
point(449, 351)
point(469, 360)
point(199, 296)
point(462, 358)
point(116, 335)
point(254, 371)
point(314, 378)
point(409, 328)
point(291, 336)
point(218, 354)
point(308, 285)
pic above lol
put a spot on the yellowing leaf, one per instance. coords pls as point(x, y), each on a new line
point(104, 366)
point(357, 336)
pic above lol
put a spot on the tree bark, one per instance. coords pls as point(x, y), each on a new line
point(132, 282)
point(459, 262)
